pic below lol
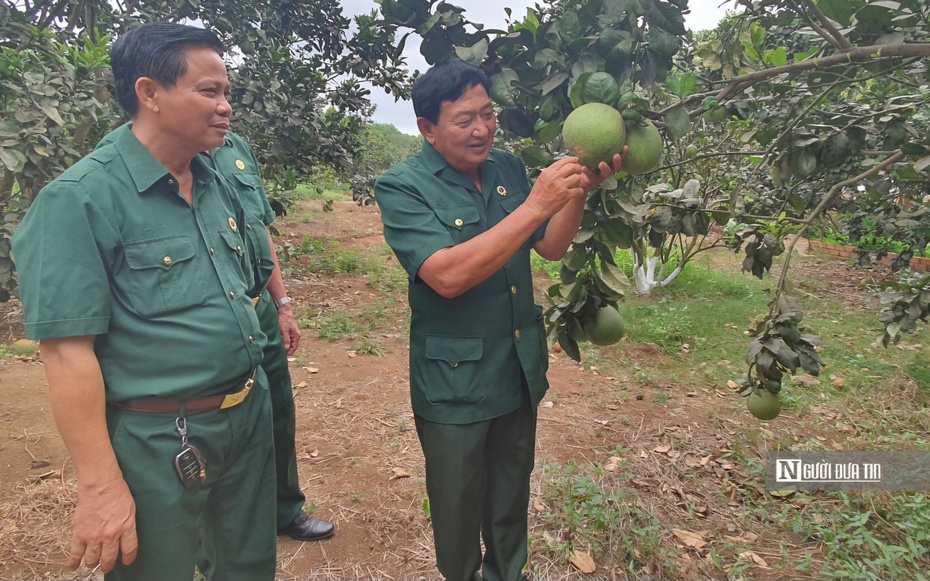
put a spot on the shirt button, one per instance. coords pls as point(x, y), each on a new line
point(211, 251)
point(513, 290)
point(516, 334)
point(170, 182)
point(167, 261)
point(458, 222)
point(232, 295)
point(239, 250)
point(248, 226)
point(251, 339)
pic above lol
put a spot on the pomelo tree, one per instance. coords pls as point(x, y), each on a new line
point(787, 110)
point(296, 69)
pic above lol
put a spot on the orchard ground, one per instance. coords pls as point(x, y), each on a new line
point(640, 473)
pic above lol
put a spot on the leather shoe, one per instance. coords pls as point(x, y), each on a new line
point(307, 528)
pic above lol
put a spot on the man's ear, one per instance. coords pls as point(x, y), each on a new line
point(426, 129)
point(147, 93)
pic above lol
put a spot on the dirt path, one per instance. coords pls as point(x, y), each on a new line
point(359, 460)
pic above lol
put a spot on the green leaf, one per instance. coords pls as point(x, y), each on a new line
point(517, 122)
point(14, 160)
point(677, 123)
point(776, 57)
point(501, 87)
point(600, 88)
point(474, 54)
point(576, 89)
point(921, 164)
point(535, 156)
point(552, 82)
point(668, 17)
point(53, 114)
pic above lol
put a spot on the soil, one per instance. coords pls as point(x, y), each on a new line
point(359, 460)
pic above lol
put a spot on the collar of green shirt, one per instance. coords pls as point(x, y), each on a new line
point(145, 170)
point(437, 165)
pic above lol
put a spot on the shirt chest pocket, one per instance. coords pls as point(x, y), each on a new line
point(463, 222)
point(454, 370)
point(239, 256)
point(161, 275)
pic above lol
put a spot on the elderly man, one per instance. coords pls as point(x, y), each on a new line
point(135, 275)
point(236, 161)
point(461, 218)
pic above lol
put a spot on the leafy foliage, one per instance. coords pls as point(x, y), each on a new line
point(798, 106)
point(296, 73)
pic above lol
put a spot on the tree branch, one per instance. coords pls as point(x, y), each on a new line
point(841, 40)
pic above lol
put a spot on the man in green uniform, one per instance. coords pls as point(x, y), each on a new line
point(461, 218)
point(236, 161)
point(134, 273)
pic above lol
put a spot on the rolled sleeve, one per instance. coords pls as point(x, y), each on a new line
point(411, 227)
point(63, 278)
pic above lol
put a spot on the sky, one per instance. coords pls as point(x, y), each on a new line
point(705, 14)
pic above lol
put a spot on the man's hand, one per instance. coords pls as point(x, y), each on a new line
point(104, 526)
point(557, 185)
point(591, 179)
point(290, 333)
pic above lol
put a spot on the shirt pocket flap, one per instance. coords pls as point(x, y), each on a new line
point(247, 180)
point(454, 350)
point(512, 202)
point(457, 217)
point(158, 253)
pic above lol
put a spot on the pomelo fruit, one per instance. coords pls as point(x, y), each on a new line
point(25, 347)
point(606, 328)
point(763, 404)
point(691, 151)
point(645, 143)
point(716, 115)
point(594, 133)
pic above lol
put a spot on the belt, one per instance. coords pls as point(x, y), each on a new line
point(161, 405)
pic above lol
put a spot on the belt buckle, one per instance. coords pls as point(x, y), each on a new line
point(256, 301)
point(235, 399)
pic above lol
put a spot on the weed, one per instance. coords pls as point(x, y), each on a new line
point(662, 397)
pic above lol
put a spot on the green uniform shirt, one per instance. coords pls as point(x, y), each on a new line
point(466, 353)
point(111, 248)
point(236, 162)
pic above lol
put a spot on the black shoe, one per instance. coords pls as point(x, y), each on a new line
point(306, 528)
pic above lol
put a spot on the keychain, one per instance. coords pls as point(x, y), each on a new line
point(189, 463)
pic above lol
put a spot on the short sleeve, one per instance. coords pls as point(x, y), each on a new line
point(63, 277)
point(527, 186)
point(268, 216)
point(411, 228)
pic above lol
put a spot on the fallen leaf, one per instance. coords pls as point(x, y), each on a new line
point(312, 369)
point(747, 538)
point(650, 568)
point(352, 354)
point(39, 464)
point(583, 562)
point(301, 384)
point(838, 383)
point(613, 464)
point(662, 449)
point(733, 385)
point(805, 380)
point(314, 454)
point(690, 539)
point(754, 558)
point(539, 507)
point(399, 473)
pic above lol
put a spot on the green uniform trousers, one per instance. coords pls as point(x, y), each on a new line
point(478, 483)
point(274, 362)
point(227, 521)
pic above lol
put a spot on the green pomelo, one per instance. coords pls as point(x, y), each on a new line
point(25, 347)
point(645, 143)
point(764, 404)
point(606, 328)
point(594, 133)
point(716, 115)
point(691, 151)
